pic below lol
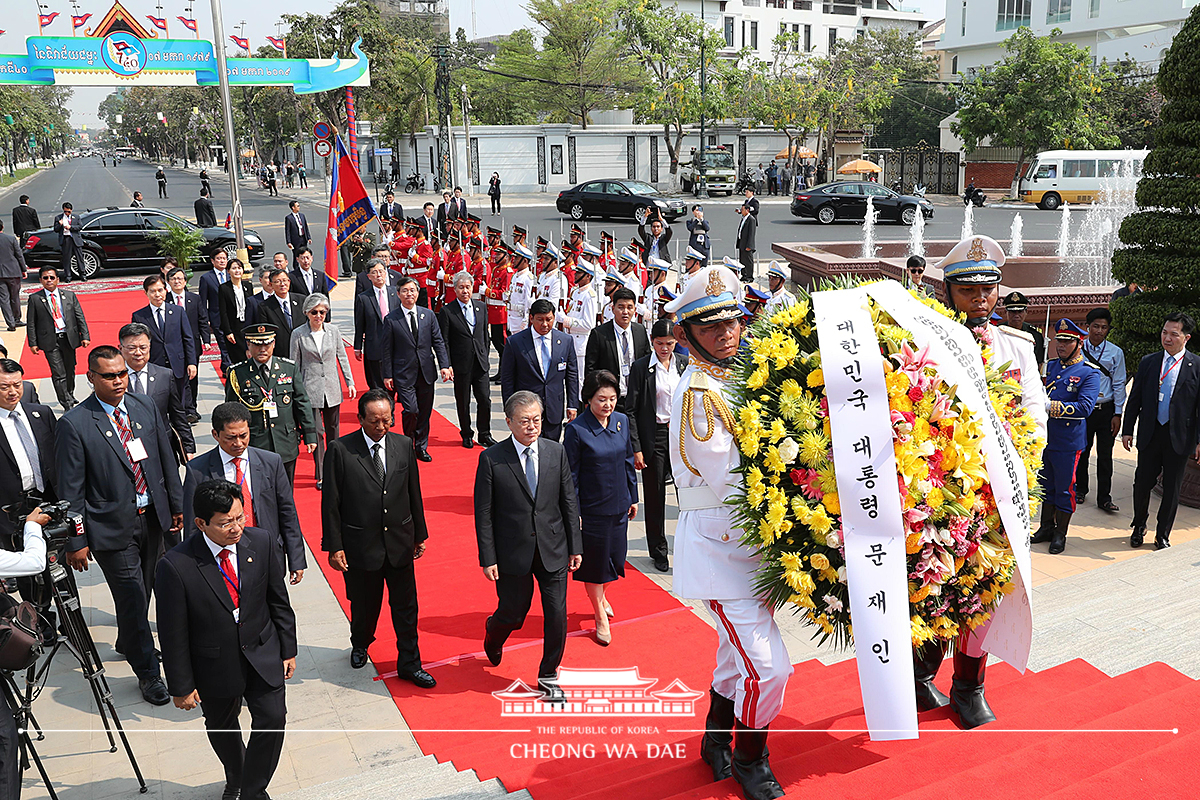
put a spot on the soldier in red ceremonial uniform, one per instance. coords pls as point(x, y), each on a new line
point(401, 245)
point(519, 235)
point(454, 261)
point(492, 291)
point(421, 259)
point(570, 259)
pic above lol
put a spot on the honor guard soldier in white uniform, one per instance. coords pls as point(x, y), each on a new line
point(971, 271)
point(628, 263)
point(580, 316)
point(593, 254)
point(520, 289)
point(613, 280)
point(552, 283)
point(693, 260)
point(658, 269)
point(780, 297)
point(711, 563)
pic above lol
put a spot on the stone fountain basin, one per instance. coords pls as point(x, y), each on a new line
point(1040, 274)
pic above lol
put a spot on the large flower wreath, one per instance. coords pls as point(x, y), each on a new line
point(959, 559)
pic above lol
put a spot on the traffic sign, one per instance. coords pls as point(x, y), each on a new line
point(383, 151)
point(32, 141)
point(322, 130)
point(323, 148)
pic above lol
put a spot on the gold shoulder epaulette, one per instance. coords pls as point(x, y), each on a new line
point(700, 381)
point(1026, 335)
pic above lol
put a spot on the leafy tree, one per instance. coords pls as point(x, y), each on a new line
point(500, 93)
point(1129, 102)
point(915, 115)
point(1162, 239)
point(1037, 97)
point(666, 43)
point(784, 93)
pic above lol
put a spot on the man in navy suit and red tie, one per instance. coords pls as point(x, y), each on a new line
point(295, 231)
point(172, 341)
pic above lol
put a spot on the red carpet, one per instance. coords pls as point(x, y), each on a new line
point(106, 310)
point(818, 744)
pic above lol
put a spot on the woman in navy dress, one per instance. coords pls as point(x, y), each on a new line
point(600, 450)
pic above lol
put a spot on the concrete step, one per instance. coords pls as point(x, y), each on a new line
point(415, 779)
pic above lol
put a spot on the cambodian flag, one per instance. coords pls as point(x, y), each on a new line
point(242, 43)
point(46, 19)
point(350, 208)
point(228, 220)
point(79, 22)
point(190, 24)
point(158, 22)
point(279, 44)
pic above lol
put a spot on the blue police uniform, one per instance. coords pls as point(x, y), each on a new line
point(1071, 390)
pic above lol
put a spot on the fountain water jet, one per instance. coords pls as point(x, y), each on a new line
point(968, 226)
point(868, 245)
point(1064, 232)
point(1015, 244)
point(916, 236)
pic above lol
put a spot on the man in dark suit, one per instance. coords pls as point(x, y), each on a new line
point(157, 383)
point(445, 213)
point(411, 342)
point(458, 205)
point(653, 381)
point(26, 446)
point(618, 343)
point(373, 527)
point(266, 493)
point(29, 394)
point(55, 325)
point(295, 229)
point(527, 527)
point(24, 218)
point(429, 222)
point(524, 366)
point(116, 470)
point(12, 270)
point(1165, 403)
point(193, 309)
point(137, 201)
point(391, 211)
point(210, 285)
point(305, 280)
point(284, 309)
point(371, 309)
point(172, 341)
point(363, 282)
point(745, 237)
point(228, 635)
point(70, 242)
point(206, 216)
point(465, 329)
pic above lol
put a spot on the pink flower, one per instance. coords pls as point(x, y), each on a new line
point(912, 363)
point(916, 394)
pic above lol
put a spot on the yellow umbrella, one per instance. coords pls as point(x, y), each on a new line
point(858, 165)
point(800, 151)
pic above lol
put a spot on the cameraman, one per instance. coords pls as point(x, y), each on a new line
point(29, 561)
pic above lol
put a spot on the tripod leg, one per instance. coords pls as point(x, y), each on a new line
point(38, 762)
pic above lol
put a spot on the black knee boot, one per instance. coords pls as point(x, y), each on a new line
point(750, 765)
point(966, 695)
point(715, 745)
point(1045, 531)
point(1062, 521)
point(926, 660)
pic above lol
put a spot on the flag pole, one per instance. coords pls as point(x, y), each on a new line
point(230, 142)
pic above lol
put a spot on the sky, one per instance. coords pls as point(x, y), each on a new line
point(492, 17)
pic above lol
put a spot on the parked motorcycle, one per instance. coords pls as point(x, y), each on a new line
point(744, 183)
point(414, 183)
point(974, 195)
point(918, 190)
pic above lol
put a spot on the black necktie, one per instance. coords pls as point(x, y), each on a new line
point(380, 470)
point(287, 311)
point(412, 324)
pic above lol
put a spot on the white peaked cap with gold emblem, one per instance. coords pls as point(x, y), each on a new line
point(974, 260)
point(711, 295)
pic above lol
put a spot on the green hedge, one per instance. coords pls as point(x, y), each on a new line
point(1137, 321)
point(1183, 132)
point(1174, 192)
point(1176, 232)
point(1158, 268)
point(1172, 160)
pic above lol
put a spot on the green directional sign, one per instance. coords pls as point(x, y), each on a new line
point(32, 142)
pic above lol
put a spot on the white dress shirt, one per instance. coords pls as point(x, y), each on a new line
point(9, 423)
point(525, 453)
point(227, 461)
point(143, 499)
point(143, 379)
point(666, 379)
point(60, 322)
point(371, 443)
point(310, 280)
point(31, 560)
point(233, 561)
point(627, 335)
point(537, 349)
point(469, 313)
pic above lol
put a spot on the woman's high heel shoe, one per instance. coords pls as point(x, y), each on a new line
point(603, 637)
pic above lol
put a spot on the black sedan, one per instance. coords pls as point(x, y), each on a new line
point(848, 200)
point(617, 197)
point(126, 237)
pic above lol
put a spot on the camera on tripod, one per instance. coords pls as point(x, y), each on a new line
point(62, 525)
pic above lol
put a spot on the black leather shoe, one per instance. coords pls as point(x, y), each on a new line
point(231, 793)
point(468, 442)
point(966, 692)
point(423, 455)
point(1138, 536)
point(154, 691)
point(662, 565)
point(750, 766)
point(420, 677)
point(552, 692)
point(487, 441)
point(494, 650)
point(1062, 523)
point(358, 657)
point(1080, 497)
point(1109, 506)
point(1161, 543)
point(927, 659)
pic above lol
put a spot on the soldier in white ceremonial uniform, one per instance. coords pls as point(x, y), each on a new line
point(520, 289)
point(693, 260)
point(627, 263)
point(711, 563)
point(971, 271)
point(780, 297)
point(580, 315)
point(552, 283)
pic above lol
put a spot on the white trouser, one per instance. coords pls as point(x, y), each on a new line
point(753, 666)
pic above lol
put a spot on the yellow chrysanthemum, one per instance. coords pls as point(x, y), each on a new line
point(819, 561)
point(791, 400)
point(773, 462)
point(832, 503)
point(777, 431)
point(815, 378)
point(813, 449)
point(789, 560)
point(897, 383)
point(758, 378)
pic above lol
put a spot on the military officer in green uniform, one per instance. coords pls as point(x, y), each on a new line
point(270, 388)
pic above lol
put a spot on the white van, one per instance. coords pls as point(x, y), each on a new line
point(1075, 176)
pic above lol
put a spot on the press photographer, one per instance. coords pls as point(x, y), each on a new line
point(30, 561)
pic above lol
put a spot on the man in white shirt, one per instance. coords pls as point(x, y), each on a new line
point(304, 279)
point(26, 445)
point(780, 297)
point(580, 316)
point(615, 345)
point(520, 289)
point(552, 284)
point(56, 326)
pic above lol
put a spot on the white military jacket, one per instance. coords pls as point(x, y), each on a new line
point(580, 317)
point(710, 561)
point(1015, 348)
point(520, 298)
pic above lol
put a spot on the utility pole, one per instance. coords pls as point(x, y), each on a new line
point(466, 110)
point(231, 152)
point(441, 91)
point(703, 97)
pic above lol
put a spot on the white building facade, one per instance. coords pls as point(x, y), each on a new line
point(1142, 29)
point(817, 24)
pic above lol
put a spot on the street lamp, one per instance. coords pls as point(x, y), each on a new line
point(703, 96)
point(230, 145)
point(466, 109)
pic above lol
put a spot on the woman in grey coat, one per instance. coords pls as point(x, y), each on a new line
point(317, 350)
